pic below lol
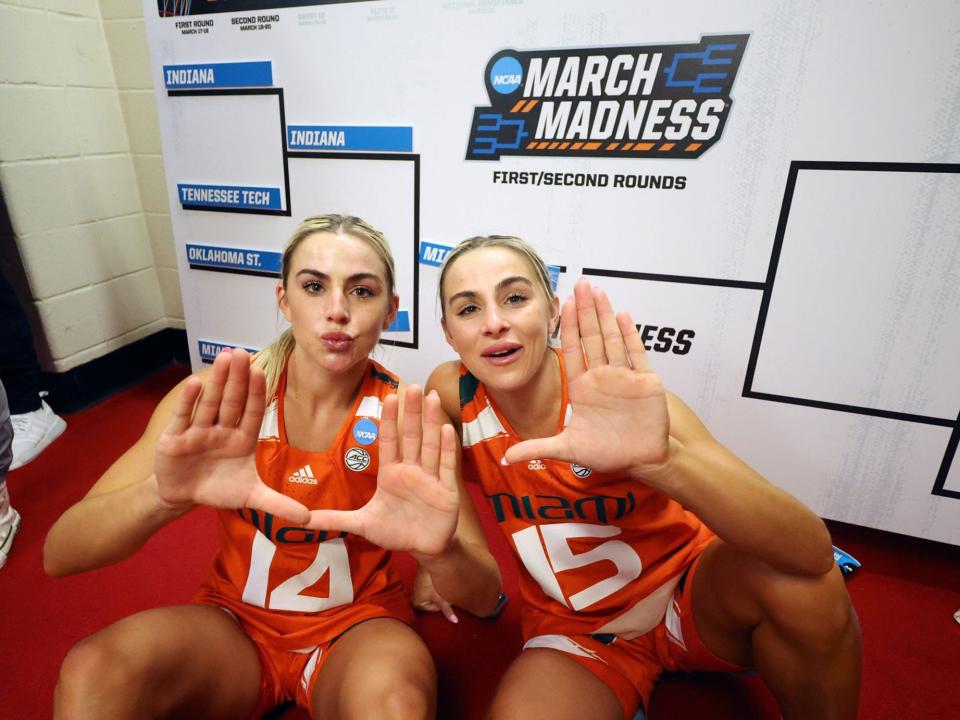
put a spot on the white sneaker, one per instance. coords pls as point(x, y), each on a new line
point(33, 432)
point(9, 526)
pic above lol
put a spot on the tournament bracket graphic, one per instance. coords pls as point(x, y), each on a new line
point(655, 101)
point(293, 165)
point(857, 316)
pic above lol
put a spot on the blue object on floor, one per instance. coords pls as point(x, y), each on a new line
point(845, 561)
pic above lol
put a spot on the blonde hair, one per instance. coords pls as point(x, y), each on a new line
point(518, 245)
point(273, 358)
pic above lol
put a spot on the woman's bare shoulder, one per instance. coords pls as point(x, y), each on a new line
point(445, 379)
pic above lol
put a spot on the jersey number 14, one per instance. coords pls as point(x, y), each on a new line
point(331, 557)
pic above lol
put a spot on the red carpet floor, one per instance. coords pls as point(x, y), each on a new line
point(905, 594)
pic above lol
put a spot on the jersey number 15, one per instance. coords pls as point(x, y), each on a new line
point(543, 560)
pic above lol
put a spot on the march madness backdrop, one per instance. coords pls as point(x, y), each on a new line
point(771, 189)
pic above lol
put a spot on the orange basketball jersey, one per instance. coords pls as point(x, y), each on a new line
point(296, 588)
point(600, 553)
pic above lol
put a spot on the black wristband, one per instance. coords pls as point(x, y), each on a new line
point(501, 603)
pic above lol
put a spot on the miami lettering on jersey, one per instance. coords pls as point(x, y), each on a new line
point(596, 508)
point(268, 526)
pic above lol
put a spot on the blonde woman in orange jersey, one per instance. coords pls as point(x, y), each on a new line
point(644, 544)
point(302, 602)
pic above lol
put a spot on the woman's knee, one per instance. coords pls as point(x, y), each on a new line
point(813, 610)
point(394, 696)
point(94, 669)
point(379, 669)
point(407, 699)
point(407, 692)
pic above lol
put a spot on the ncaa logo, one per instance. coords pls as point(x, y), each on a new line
point(580, 471)
point(506, 75)
point(365, 431)
point(357, 459)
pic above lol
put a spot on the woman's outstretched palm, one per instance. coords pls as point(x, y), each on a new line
point(619, 421)
point(417, 499)
point(206, 456)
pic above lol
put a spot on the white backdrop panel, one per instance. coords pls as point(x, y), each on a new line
point(864, 310)
point(228, 140)
point(867, 273)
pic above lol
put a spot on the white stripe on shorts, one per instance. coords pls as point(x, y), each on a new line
point(310, 668)
point(563, 644)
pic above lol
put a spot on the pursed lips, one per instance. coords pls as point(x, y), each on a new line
point(336, 341)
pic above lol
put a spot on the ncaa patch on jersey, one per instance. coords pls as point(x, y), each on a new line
point(365, 431)
point(357, 459)
point(580, 471)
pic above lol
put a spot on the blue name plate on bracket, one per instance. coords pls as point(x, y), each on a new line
point(209, 349)
point(368, 138)
point(401, 323)
point(218, 75)
point(229, 196)
point(236, 259)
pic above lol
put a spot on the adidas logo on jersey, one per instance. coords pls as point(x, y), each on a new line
point(536, 465)
point(304, 476)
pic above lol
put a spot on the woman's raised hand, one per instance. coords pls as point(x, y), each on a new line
point(417, 499)
point(619, 421)
point(206, 456)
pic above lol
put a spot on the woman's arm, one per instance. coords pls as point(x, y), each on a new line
point(467, 575)
point(199, 448)
point(735, 501)
point(119, 513)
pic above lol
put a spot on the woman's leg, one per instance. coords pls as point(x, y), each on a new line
point(549, 684)
point(180, 661)
point(378, 669)
point(799, 631)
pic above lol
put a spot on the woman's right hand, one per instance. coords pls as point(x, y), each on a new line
point(619, 421)
point(206, 455)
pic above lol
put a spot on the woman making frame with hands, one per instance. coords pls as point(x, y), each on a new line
point(644, 544)
point(293, 609)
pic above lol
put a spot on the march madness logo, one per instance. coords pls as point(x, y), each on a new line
point(663, 101)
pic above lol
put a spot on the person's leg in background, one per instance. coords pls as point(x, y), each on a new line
point(9, 518)
point(35, 425)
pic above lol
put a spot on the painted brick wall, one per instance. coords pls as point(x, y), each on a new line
point(81, 174)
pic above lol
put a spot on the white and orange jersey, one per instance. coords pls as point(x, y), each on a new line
point(600, 553)
point(296, 587)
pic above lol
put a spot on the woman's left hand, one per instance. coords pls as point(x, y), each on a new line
point(417, 499)
point(427, 599)
point(619, 421)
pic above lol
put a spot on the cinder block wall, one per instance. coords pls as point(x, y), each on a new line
point(82, 176)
